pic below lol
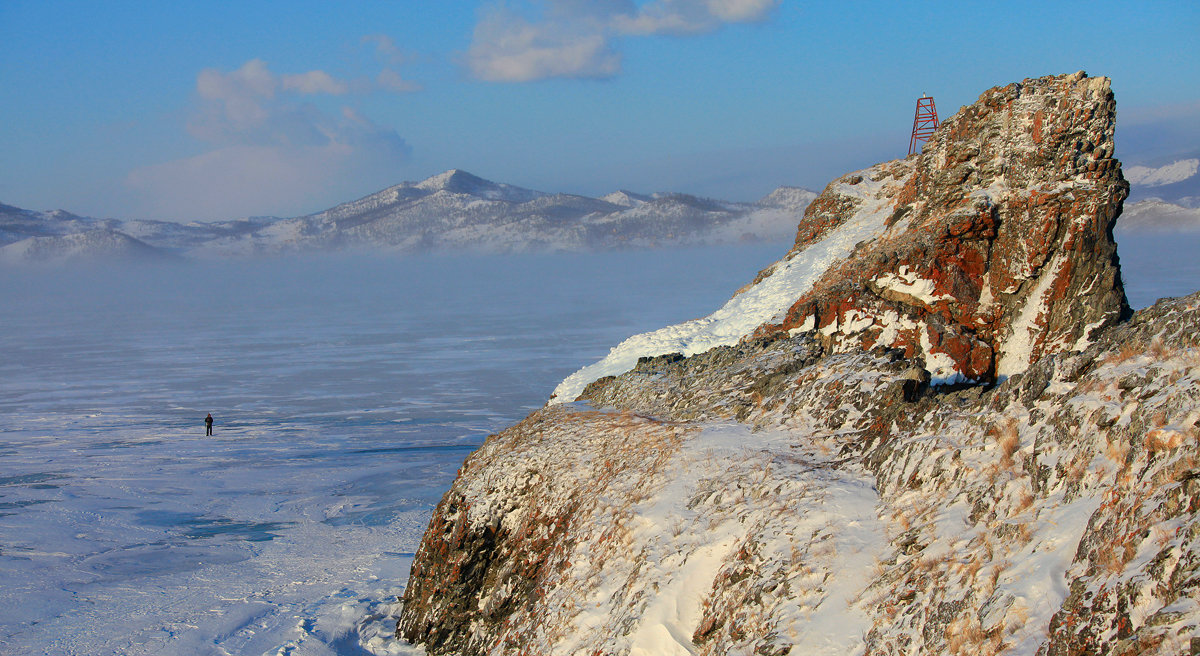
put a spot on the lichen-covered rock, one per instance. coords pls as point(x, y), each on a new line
point(811, 489)
point(1055, 513)
point(998, 245)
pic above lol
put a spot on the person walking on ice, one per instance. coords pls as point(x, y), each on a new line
point(208, 425)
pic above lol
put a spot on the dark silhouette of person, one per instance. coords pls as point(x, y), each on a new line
point(208, 424)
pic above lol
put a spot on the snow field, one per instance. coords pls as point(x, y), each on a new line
point(345, 393)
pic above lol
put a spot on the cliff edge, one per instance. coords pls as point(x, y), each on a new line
point(988, 250)
point(801, 477)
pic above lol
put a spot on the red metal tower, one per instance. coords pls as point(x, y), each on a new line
point(924, 123)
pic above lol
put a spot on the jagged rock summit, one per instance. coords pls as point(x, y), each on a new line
point(788, 483)
point(991, 248)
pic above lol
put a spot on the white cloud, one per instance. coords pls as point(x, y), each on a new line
point(508, 48)
point(574, 38)
point(251, 99)
point(314, 82)
point(741, 11)
point(392, 57)
point(270, 153)
point(386, 51)
point(238, 95)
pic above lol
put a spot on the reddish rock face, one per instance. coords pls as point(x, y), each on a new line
point(998, 242)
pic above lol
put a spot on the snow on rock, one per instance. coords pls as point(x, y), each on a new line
point(1020, 180)
point(908, 283)
point(763, 302)
point(770, 497)
point(985, 252)
point(625, 198)
point(786, 477)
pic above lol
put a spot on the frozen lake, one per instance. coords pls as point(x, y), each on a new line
point(346, 393)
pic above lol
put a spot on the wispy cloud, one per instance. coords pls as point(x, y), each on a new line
point(385, 49)
point(507, 47)
point(271, 150)
point(391, 57)
point(314, 82)
point(575, 38)
point(390, 80)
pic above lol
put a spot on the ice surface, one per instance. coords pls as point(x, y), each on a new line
point(346, 394)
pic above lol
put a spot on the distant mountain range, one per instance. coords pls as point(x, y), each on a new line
point(1176, 182)
point(457, 211)
point(453, 211)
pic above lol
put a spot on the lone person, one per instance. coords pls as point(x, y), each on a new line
point(208, 424)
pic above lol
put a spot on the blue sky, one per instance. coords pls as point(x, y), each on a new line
point(209, 110)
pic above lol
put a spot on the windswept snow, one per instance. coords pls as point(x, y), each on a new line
point(764, 302)
point(1018, 348)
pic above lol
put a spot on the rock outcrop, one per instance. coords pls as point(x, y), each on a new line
point(811, 488)
point(997, 243)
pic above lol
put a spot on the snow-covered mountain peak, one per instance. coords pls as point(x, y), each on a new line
point(62, 215)
point(1163, 175)
point(625, 198)
point(788, 198)
point(460, 182)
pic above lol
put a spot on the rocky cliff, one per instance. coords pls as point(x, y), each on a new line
point(995, 245)
point(923, 431)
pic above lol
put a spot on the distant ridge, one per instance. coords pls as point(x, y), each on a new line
point(101, 244)
point(452, 211)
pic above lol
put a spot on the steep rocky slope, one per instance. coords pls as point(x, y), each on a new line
point(792, 482)
point(990, 249)
point(996, 244)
